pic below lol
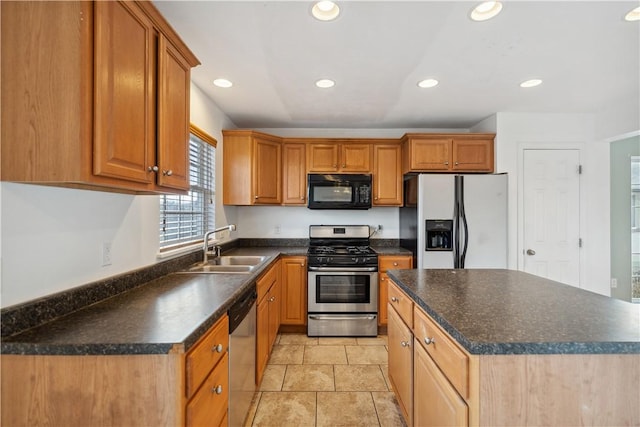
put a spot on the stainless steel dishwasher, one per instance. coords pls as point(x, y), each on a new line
point(242, 356)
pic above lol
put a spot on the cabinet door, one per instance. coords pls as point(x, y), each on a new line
point(355, 158)
point(294, 291)
point(174, 78)
point(274, 313)
point(436, 402)
point(267, 174)
point(430, 154)
point(386, 262)
point(294, 174)
point(125, 105)
point(262, 337)
point(209, 406)
point(474, 155)
point(401, 363)
point(322, 158)
point(387, 175)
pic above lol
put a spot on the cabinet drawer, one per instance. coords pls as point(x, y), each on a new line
point(209, 405)
point(453, 362)
point(401, 302)
point(265, 281)
point(393, 263)
point(206, 354)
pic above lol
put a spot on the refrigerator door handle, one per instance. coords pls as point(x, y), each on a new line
point(466, 228)
point(456, 223)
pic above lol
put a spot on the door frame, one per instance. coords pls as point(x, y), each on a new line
point(532, 145)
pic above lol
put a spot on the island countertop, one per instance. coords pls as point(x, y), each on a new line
point(492, 311)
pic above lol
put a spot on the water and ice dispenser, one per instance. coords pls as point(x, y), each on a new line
point(439, 234)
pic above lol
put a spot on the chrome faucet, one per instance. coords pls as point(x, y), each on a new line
point(207, 235)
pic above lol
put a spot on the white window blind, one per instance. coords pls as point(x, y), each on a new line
point(186, 218)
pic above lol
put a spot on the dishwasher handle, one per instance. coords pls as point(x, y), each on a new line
point(241, 308)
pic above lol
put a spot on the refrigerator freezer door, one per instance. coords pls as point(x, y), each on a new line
point(485, 205)
point(435, 201)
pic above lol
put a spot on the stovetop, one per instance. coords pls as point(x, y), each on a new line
point(341, 246)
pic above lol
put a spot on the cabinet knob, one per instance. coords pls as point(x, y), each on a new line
point(428, 341)
point(255, 197)
point(395, 264)
point(302, 264)
point(217, 348)
point(394, 299)
point(335, 166)
point(301, 198)
point(405, 343)
point(217, 389)
point(344, 165)
point(152, 169)
point(446, 163)
point(272, 299)
point(168, 172)
point(456, 163)
point(375, 198)
point(382, 279)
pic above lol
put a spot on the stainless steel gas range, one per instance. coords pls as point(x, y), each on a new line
point(343, 282)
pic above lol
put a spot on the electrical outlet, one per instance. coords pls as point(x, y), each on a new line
point(614, 282)
point(379, 227)
point(277, 229)
point(106, 254)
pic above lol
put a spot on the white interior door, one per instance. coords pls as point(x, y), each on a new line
point(551, 204)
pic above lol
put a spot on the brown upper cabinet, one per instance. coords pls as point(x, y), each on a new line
point(294, 173)
point(97, 98)
point(252, 168)
point(448, 152)
point(387, 174)
point(336, 156)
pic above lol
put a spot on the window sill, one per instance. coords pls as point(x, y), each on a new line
point(169, 252)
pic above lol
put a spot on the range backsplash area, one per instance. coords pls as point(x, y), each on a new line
point(278, 222)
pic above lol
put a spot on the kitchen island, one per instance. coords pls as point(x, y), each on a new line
point(501, 347)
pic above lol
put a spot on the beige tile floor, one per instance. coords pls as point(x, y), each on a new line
point(326, 382)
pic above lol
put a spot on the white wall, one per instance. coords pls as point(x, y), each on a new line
point(261, 221)
point(52, 237)
point(517, 131)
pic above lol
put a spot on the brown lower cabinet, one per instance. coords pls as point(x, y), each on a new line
point(174, 389)
point(388, 262)
point(400, 367)
point(294, 291)
point(268, 316)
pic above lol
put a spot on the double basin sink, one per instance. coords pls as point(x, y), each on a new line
point(228, 264)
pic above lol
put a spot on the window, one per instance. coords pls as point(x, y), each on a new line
point(185, 218)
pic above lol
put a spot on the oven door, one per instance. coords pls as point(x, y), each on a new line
point(341, 290)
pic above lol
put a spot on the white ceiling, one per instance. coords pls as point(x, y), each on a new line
point(377, 51)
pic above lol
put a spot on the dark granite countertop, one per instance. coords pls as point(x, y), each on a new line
point(390, 250)
point(168, 312)
point(512, 312)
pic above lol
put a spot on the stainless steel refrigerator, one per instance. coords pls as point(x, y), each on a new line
point(455, 221)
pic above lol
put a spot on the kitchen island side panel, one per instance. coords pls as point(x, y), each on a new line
point(559, 390)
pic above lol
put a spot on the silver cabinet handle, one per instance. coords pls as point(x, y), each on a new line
point(446, 163)
point(394, 299)
point(217, 348)
point(272, 299)
point(255, 197)
point(217, 389)
point(457, 163)
point(531, 252)
point(405, 343)
point(168, 172)
point(395, 264)
point(152, 169)
point(428, 341)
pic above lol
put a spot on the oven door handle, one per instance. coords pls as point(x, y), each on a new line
point(333, 317)
point(345, 269)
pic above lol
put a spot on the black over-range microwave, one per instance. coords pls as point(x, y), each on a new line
point(339, 191)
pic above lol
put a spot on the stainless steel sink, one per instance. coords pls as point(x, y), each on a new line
point(228, 264)
point(228, 269)
point(237, 260)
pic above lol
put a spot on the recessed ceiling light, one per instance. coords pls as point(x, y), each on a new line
point(222, 83)
point(325, 10)
point(325, 83)
point(428, 83)
point(531, 83)
point(633, 15)
point(486, 10)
